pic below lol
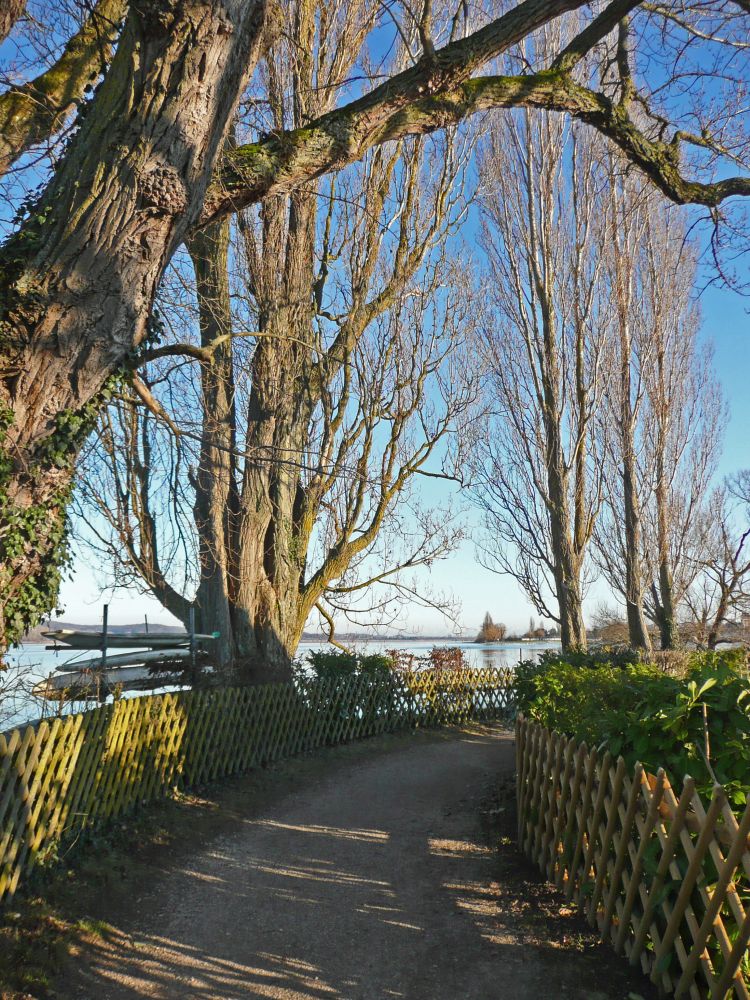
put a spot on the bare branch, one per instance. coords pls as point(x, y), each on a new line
point(34, 111)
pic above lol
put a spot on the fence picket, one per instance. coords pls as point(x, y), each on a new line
point(617, 783)
point(551, 801)
point(645, 832)
point(85, 769)
point(620, 843)
point(554, 846)
point(656, 872)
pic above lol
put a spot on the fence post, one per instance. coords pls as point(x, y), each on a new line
point(101, 673)
point(191, 620)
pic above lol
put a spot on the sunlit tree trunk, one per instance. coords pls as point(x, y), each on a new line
point(626, 233)
point(216, 495)
point(566, 560)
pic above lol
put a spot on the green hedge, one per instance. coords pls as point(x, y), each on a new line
point(610, 699)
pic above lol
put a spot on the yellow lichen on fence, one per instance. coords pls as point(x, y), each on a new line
point(81, 770)
point(666, 878)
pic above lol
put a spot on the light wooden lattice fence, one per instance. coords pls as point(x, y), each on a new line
point(82, 770)
point(662, 875)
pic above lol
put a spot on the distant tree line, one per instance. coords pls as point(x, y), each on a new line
point(603, 420)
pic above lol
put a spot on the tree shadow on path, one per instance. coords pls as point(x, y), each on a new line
point(375, 881)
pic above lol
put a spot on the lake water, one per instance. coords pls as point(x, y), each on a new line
point(32, 663)
point(491, 654)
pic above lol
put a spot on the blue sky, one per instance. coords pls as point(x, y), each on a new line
point(727, 323)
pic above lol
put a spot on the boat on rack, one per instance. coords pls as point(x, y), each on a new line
point(126, 659)
point(90, 683)
point(153, 660)
point(73, 639)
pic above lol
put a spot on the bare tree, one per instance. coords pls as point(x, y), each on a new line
point(668, 414)
point(356, 523)
point(543, 231)
point(625, 394)
point(684, 418)
point(490, 631)
point(309, 443)
point(721, 589)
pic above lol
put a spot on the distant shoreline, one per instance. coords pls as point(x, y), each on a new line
point(357, 637)
point(35, 638)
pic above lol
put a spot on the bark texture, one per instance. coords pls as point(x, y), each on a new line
point(79, 280)
point(275, 523)
point(216, 500)
point(10, 12)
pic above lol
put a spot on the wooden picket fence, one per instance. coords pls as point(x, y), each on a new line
point(82, 770)
point(662, 875)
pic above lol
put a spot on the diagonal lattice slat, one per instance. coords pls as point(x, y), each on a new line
point(666, 878)
point(83, 770)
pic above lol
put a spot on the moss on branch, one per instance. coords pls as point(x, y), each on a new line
point(278, 163)
point(32, 112)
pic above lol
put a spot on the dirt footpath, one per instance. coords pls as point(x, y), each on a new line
point(375, 880)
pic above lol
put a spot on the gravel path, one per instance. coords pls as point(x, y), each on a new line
point(374, 881)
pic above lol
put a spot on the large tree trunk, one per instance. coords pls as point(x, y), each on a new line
point(668, 634)
point(274, 526)
point(572, 628)
point(79, 279)
point(253, 545)
point(567, 563)
point(216, 498)
point(714, 629)
point(273, 537)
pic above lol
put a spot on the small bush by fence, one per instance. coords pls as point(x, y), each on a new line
point(664, 876)
point(82, 770)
